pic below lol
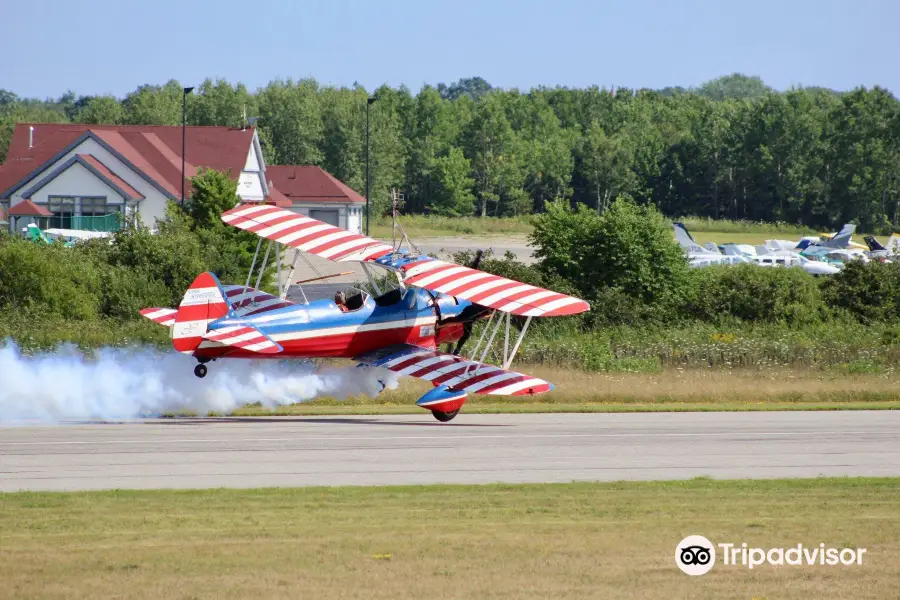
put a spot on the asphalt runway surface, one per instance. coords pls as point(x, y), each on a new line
point(415, 449)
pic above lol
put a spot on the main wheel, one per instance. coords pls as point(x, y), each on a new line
point(200, 371)
point(443, 417)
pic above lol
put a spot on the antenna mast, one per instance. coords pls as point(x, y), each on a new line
point(396, 202)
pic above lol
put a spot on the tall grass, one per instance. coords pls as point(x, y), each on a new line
point(432, 225)
point(437, 225)
point(837, 346)
point(705, 224)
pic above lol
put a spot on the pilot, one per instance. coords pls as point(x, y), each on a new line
point(341, 301)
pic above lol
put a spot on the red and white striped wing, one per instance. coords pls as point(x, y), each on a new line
point(245, 338)
point(250, 301)
point(461, 374)
point(163, 316)
point(496, 292)
point(305, 234)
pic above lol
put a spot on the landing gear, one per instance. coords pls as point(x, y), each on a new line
point(200, 371)
point(443, 417)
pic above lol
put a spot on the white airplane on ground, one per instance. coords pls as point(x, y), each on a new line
point(699, 256)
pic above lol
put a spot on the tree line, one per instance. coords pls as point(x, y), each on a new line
point(732, 148)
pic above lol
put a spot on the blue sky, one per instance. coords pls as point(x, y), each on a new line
point(112, 46)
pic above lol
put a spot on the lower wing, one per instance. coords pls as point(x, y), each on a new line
point(455, 372)
point(242, 337)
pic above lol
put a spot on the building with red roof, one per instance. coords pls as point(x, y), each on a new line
point(316, 193)
point(72, 171)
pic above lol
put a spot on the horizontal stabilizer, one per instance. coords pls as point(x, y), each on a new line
point(163, 316)
point(455, 373)
point(243, 337)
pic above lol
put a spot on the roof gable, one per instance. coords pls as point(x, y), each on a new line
point(27, 208)
point(97, 168)
point(152, 151)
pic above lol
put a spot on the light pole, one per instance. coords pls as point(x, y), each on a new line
point(187, 91)
point(369, 102)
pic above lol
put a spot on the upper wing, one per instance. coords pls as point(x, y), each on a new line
point(456, 372)
point(306, 234)
point(493, 291)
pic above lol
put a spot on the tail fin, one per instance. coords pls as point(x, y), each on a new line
point(203, 303)
point(687, 242)
point(893, 243)
point(873, 244)
point(842, 238)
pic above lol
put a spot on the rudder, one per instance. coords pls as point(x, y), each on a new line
point(203, 302)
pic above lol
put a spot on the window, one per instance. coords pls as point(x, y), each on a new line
point(95, 206)
point(63, 209)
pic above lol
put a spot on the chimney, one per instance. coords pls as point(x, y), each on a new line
point(30, 137)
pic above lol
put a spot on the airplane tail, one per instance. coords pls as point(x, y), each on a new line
point(873, 244)
point(842, 238)
point(687, 242)
point(893, 243)
point(204, 302)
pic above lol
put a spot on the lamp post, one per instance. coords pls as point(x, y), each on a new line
point(369, 102)
point(187, 91)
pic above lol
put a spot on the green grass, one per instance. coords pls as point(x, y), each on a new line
point(580, 540)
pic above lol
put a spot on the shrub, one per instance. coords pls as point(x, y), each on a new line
point(754, 294)
point(628, 248)
point(45, 279)
point(869, 292)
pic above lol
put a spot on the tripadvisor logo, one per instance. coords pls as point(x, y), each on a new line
point(696, 555)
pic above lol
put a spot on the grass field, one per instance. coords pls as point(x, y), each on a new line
point(499, 541)
point(670, 390)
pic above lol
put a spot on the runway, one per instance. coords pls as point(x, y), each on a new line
point(414, 449)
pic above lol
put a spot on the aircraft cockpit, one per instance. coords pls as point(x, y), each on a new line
point(352, 300)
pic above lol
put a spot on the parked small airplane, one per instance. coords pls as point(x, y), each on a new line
point(434, 303)
point(68, 236)
point(732, 254)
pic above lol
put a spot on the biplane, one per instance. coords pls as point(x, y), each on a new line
point(430, 303)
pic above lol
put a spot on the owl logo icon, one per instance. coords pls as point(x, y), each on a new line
point(695, 555)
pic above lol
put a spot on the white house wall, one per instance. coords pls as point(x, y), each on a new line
point(251, 183)
point(250, 187)
point(76, 181)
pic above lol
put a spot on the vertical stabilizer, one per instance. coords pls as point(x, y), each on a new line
point(842, 238)
point(203, 303)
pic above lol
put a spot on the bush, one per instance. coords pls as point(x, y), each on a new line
point(628, 248)
point(754, 294)
point(869, 292)
point(44, 279)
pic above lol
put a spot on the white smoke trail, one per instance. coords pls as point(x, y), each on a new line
point(120, 384)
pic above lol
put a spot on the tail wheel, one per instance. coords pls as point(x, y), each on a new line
point(200, 371)
point(443, 417)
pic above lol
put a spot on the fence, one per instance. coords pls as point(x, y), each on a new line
point(111, 222)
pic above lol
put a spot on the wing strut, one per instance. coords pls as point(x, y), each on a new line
point(507, 360)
